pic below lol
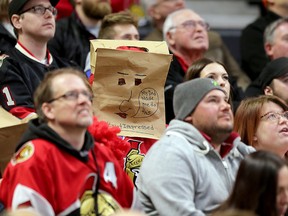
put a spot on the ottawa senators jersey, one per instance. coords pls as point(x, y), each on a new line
point(54, 182)
point(135, 155)
point(20, 74)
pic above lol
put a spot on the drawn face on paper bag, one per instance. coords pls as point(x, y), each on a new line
point(140, 101)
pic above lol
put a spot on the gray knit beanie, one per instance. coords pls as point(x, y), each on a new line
point(187, 95)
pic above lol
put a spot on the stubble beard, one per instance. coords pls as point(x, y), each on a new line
point(219, 133)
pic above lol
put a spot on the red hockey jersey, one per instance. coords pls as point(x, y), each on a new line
point(54, 182)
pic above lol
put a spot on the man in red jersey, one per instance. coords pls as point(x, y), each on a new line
point(58, 168)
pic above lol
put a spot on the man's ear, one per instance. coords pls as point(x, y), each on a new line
point(268, 90)
point(268, 49)
point(48, 110)
point(170, 38)
point(15, 20)
point(189, 119)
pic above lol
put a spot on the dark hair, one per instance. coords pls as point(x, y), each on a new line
point(255, 188)
point(196, 68)
point(44, 92)
point(109, 21)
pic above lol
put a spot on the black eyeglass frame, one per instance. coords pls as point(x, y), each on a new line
point(74, 95)
point(52, 9)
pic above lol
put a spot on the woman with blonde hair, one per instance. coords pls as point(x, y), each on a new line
point(262, 122)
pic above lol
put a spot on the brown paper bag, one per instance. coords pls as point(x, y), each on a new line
point(11, 130)
point(129, 90)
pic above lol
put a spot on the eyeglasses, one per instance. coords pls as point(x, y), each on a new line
point(273, 116)
point(191, 25)
point(73, 95)
point(41, 10)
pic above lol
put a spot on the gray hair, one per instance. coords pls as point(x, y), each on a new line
point(269, 32)
point(169, 21)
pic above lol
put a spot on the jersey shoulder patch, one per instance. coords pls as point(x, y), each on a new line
point(23, 154)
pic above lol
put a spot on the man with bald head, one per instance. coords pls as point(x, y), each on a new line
point(186, 34)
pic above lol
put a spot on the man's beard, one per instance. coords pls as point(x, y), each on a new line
point(96, 10)
point(218, 133)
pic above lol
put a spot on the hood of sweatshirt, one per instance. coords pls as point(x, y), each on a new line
point(38, 130)
point(194, 136)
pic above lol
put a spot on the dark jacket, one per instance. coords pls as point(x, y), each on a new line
point(43, 131)
point(21, 75)
point(71, 40)
point(175, 76)
point(253, 54)
point(7, 41)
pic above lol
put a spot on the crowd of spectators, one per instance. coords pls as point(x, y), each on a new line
point(224, 149)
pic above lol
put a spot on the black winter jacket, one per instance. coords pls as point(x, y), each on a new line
point(71, 40)
point(7, 41)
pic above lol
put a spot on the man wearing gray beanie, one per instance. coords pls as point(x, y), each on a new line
point(192, 168)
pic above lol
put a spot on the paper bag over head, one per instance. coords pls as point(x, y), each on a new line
point(152, 47)
point(129, 79)
point(11, 130)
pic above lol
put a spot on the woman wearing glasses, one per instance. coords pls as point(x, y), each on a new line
point(262, 122)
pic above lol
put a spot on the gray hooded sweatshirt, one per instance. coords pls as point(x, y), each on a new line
point(183, 175)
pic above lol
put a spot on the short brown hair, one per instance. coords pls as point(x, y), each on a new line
point(110, 20)
point(247, 116)
point(44, 92)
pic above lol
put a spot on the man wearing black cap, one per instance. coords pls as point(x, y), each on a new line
point(26, 64)
point(191, 169)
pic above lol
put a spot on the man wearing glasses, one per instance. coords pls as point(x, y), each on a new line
point(273, 79)
point(186, 34)
point(58, 168)
point(26, 64)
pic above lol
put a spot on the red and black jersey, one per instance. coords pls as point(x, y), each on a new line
point(55, 179)
point(20, 74)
